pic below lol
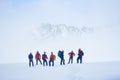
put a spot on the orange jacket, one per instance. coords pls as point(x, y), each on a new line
point(52, 57)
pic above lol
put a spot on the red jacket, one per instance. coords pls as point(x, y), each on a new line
point(71, 54)
point(80, 53)
point(37, 55)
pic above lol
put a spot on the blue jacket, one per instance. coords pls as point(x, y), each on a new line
point(30, 56)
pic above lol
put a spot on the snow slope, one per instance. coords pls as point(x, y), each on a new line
point(85, 71)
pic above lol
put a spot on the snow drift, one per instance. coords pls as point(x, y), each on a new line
point(85, 71)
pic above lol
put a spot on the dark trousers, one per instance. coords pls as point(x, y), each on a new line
point(38, 59)
point(45, 62)
point(79, 58)
point(51, 61)
point(62, 61)
point(31, 62)
point(70, 60)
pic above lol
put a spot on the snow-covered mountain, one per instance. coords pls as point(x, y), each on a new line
point(85, 71)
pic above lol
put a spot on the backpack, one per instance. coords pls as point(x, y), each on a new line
point(54, 57)
point(81, 53)
point(59, 53)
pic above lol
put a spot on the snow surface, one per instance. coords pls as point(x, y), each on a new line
point(85, 71)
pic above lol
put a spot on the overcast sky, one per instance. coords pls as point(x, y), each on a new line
point(21, 19)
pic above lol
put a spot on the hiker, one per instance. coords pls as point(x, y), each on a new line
point(71, 55)
point(80, 55)
point(38, 58)
point(61, 55)
point(30, 57)
point(52, 58)
point(44, 58)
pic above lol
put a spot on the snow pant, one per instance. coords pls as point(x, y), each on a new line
point(31, 62)
point(70, 60)
point(38, 59)
point(79, 58)
point(62, 61)
point(51, 61)
point(45, 62)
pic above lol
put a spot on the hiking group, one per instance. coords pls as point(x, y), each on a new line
point(52, 58)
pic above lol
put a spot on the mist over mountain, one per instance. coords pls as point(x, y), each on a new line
point(49, 25)
point(47, 30)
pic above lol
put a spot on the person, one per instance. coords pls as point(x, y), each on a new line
point(52, 58)
point(61, 55)
point(80, 55)
point(38, 58)
point(71, 55)
point(44, 58)
point(30, 57)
